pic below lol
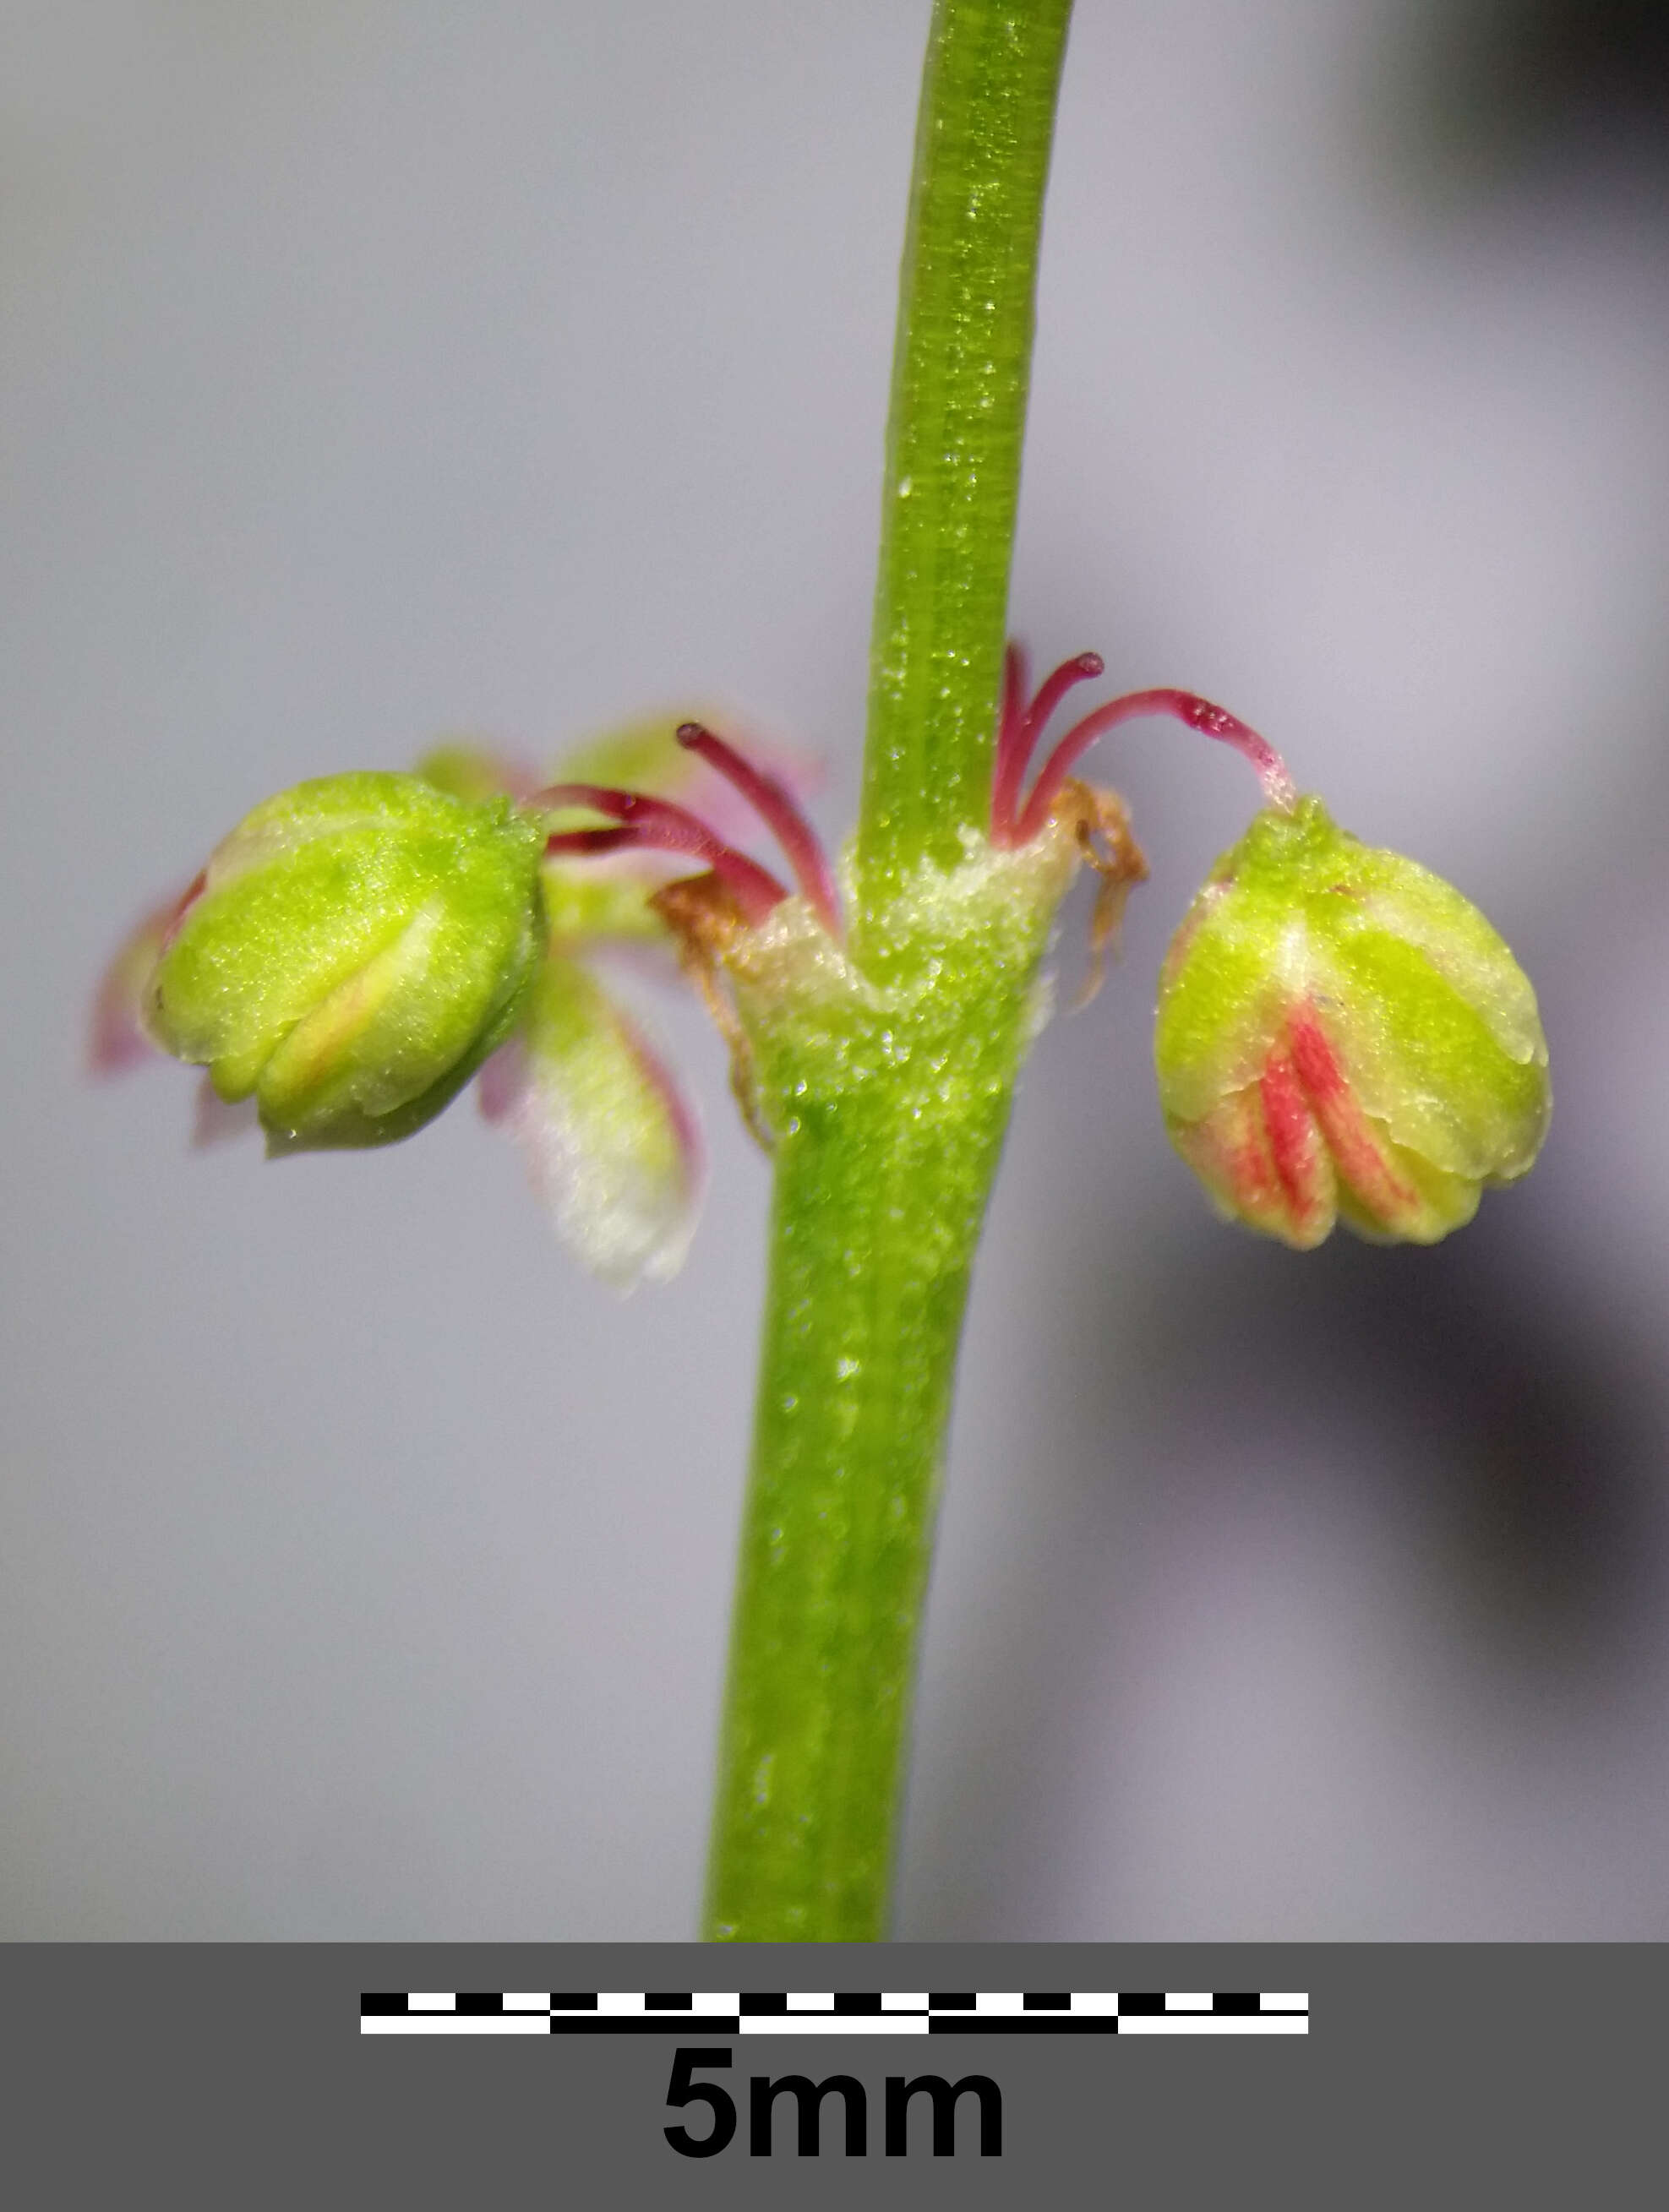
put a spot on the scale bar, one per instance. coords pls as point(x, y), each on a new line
point(866, 2012)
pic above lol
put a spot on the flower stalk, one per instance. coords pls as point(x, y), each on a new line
point(961, 373)
point(888, 1096)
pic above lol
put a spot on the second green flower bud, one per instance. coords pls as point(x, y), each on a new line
point(1341, 1035)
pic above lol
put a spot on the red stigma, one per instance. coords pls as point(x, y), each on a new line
point(643, 821)
point(655, 824)
point(775, 805)
point(1019, 730)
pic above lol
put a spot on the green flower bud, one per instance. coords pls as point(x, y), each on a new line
point(1341, 1034)
point(358, 946)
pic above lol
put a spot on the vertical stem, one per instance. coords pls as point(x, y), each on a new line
point(890, 1113)
point(858, 1361)
point(960, 377)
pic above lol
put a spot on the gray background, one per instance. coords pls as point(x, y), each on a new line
point(373, 370)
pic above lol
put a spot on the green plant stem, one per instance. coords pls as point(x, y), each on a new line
point(858, 1363)
point(890, 1115)
point(960, 377)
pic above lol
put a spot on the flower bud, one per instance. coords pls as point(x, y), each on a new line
point(1341, 1034)
point(358, 946)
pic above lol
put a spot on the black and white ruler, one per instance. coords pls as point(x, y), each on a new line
point(787, 2012)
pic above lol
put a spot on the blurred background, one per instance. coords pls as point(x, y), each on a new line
point(372, 369)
